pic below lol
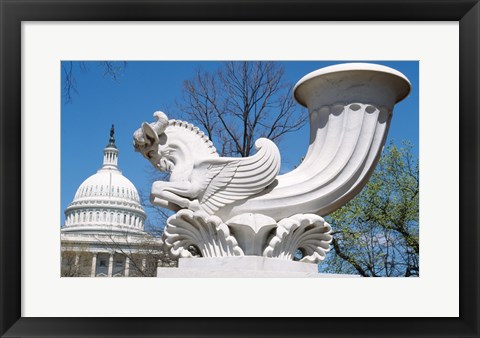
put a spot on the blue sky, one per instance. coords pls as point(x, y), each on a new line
point(148, 86)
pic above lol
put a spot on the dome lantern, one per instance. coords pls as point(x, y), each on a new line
point(110, 153)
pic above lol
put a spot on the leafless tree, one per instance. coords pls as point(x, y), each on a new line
point(145, 254)
point(240, 103)
point(73, 262)
point(110, 69)
point(157, 217)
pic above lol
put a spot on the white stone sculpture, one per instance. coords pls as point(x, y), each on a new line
point(241, 206)
point(200, 179)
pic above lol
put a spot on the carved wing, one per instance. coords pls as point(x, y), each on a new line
point(233, 179)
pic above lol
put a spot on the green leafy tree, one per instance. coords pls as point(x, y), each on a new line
point(377, 233)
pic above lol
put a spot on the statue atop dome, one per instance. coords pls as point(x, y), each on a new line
point(111, 142)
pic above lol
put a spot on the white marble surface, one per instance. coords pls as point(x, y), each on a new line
point(195, 273)
point(252, 232)
point(254, 263)
point(243, 267)
point(350, 107)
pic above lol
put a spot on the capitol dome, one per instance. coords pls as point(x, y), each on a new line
point(106, 201)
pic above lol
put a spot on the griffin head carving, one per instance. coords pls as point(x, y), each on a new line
point(199, 178)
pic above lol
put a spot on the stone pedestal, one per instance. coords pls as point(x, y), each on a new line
point(243, 267)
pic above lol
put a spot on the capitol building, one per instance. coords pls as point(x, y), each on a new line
point(103, 234)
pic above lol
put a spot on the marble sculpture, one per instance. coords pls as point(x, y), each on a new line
point(228, 206)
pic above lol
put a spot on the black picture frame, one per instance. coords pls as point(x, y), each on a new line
point(13, 12)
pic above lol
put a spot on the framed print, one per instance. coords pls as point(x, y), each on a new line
point(438, 39)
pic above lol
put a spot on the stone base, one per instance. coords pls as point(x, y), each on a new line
point(243, 267)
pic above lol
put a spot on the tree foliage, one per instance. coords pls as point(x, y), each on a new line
point(240, 103)
point(377, 233)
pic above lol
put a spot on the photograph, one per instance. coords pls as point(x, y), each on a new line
point(240, 169)
point(248, 162)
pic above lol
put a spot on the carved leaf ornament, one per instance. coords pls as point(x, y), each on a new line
point(308, 233)
point(213, 238)
point(206, 233)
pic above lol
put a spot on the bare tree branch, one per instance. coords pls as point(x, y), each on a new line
point(111, 69)
point(240, 103)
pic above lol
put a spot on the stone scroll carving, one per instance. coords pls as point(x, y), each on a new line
point(307, 233)
point(191, 233)
point(241, 206)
